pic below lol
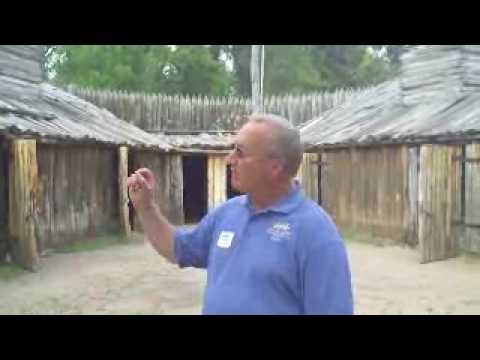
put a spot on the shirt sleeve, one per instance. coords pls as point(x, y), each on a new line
point(192, 245)
point(327, 280)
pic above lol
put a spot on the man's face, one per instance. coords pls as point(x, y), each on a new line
point(252, 166)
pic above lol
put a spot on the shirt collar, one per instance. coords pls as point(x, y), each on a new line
point(285, 205)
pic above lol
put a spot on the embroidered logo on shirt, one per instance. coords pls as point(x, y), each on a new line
point(279, 232)
point(225, 239)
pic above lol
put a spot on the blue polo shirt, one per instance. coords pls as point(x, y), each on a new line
point(287, 259)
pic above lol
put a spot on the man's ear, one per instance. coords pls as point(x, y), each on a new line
point(278, 167)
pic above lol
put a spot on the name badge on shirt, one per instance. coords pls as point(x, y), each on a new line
point(225, 239)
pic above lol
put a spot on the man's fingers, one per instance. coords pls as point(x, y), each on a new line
point(131, 181)
point(141, 181)
point(135, 182)
point(146, 173)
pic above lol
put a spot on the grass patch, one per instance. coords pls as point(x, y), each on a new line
point(10, 272)
point(351, 235)
point(99, 243)
point(469, 257)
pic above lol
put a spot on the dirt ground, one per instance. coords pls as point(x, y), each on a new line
point(132, 279)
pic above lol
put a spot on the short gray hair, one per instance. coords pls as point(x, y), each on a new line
point(286, 143)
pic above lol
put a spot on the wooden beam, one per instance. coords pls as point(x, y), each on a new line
point(256, 71)
point(23, 173)
point(217, 181)
point(201, 151)
point(123, 190)
point(309, 170)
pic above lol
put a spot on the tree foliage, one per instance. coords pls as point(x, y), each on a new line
point(220, 69)
point(149, 68)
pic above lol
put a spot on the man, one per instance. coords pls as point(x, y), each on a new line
point(271, 251)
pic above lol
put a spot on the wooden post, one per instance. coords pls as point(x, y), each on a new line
point(256, 70)
point(299, 175)
point(413, 191)
point(436, 199)
point(469, 232)
point(217, 181)
point(23, 181)
point(123, 190)
point(308, 175)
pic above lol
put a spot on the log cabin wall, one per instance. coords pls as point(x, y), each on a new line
point(3, 198)
point(167, 169)
point(368, 189)
point(77, 193)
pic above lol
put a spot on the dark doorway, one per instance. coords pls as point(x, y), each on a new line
point(231, 192)
point(195, 188)
point(131, 209)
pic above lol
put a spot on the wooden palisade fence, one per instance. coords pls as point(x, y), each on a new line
point(157, 112)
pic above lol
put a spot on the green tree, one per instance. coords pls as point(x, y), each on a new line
point(290, 69)
point(151, 68)
point(200, 69)
point(303, 68)
point(393, 53)
point(105, 66)
point(240, 55)
point(348, 65)
point(47, 64)
point(193, 70)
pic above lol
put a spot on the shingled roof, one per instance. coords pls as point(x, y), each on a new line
point(434, 99)
point(40, 110)
point(202, 141)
